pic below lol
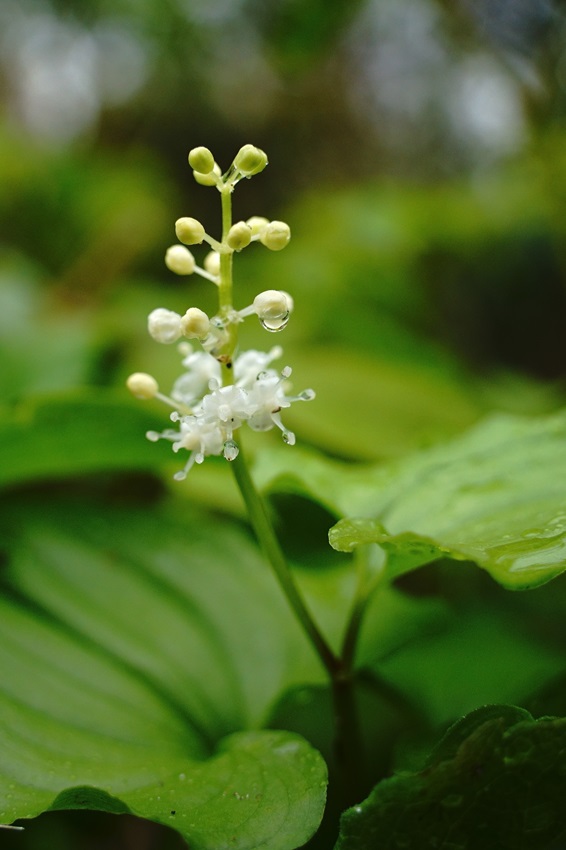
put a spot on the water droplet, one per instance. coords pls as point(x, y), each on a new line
point(275, 323)
point(180, 476)
point(152, 435)
point(231, 450)
point(289, 438)
point(182, 776)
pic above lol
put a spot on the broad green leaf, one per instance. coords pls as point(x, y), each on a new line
point(41, 348)
point(408, 405)
point(497, 781)
point(133, 678)
point(77, 433)
point(474, 654)
point(494, 496)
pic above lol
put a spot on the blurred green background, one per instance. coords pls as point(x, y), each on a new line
point(417, 150)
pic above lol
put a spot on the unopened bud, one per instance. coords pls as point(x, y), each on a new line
point(209, 178)
point(271, 304)
point(142, 385)
point(239, 236)
point(250, 160)
point(179, 260)
point(189, 230)
point(276, 235)
point(212, 263)
point(164, 325)
point(257, 224)
point(201, 160)
point(195, 323)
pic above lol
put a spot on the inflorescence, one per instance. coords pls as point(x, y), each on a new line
point(221, 389)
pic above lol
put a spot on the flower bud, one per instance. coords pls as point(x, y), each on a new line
point(212, 263)
point(208, 178)
point(250, 160)
point(179, 259)
point(142, 385)
point(189, 231)
point(276, 235)
point(239, 236)
point(271, 304)
point(201, 160)
point(195, 323)
point(290, 300)
point(257, 224)
point(164, 325)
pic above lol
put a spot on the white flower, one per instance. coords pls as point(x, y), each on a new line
point(247, 366)
point(267, 397)
point(226, 408)
point(202, 368)
point(257, 398)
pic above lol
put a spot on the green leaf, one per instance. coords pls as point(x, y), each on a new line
point(77, 433)
point(477, 653)
point(41, 349)
point(494, 496)
point(409, 405)
point(133, 678)
point(495, 783)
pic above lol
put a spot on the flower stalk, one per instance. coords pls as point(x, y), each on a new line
point(220, 390)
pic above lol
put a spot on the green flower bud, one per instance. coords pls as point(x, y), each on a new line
point(189, 230)
point(250, 160)
point(142, 385)
point(239, 236)
point(210, 178)
point(179, 259)
point(276, 235)
point(257, 224)
point(201, 160)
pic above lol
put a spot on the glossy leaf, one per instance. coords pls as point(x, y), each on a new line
point(496, 782)
point(133, 679)
point(494, 496)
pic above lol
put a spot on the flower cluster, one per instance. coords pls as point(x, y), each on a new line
point(220, 390)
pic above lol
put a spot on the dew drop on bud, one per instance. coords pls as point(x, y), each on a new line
point(273, 324)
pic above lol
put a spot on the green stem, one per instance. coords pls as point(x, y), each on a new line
point(367, 583)
point(348, 746)
point(225, 286)
point(268, 541)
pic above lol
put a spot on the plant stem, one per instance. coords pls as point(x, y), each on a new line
point(349, 760)
point(364, 590)
point(268, 541)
